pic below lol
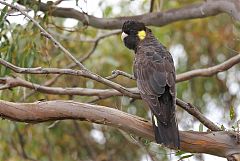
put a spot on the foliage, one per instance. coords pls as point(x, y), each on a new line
point(206, 42)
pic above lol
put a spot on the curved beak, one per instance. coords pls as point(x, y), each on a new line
point(123, 35)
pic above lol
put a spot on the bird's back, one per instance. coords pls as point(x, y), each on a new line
point(155, 73)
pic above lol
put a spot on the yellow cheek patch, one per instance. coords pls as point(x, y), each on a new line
point(141, 34)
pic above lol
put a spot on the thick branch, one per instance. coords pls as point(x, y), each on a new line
point(201, 10)
point(215, 143)
point(120, 90)
point(10, 82)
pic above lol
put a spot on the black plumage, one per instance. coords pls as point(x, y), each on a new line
point(155, 74)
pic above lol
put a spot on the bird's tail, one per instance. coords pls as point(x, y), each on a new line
point(167, 135)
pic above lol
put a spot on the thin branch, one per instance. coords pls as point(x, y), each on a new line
point(116, 73)
point(179, 78)
point(98, 98)
point(206, 72)
point(57, 2)
point(151, 5)
point(83, 73)
point(101, 93)
point(96, 42)
point(86, 56)
point(49, 147)
point(21, 142)
point(84, 140)
point(102, 36)
point(10, 82)
point(83, 39)
point(133, 92)
point(215, 143)
point(200, 10)
point(46, 34)
point(191, 109)
point(137, 141)
point(22, 145)
point(160, 5)
point(72, 65)
point(47, 83)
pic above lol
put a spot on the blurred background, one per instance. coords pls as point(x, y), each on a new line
point(194, 44)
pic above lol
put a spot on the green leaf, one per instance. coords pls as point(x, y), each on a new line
point(108, 11)
point(223, 128)
point(186, 156)
point(3, 13)
point(180, 153)
point(8, 57)
point(77, 2)
point(30, 59)
point(232, 113)
point(201, 127)
point(3, 49)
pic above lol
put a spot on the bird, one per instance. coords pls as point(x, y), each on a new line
point(154, 71)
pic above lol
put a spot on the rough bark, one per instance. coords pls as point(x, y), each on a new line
point(219, 143)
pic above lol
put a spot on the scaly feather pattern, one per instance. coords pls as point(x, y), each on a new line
point(155, 73)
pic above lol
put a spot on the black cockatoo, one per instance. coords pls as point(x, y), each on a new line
point(155, 74)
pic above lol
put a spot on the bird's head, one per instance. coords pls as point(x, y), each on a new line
point(132, 33)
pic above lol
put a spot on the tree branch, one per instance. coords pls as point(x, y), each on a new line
point(179, 78)
point(122, 90)
point(151, 5)
point(85, 39)
point(22, 145)
point(206, 72)
point(84, 73)
point(46, 34)
point(116, 73)
point(11, 82)
point(201, 10)
point(191, 109)
point(216, 143)
point(84, 141)
point(72, 65)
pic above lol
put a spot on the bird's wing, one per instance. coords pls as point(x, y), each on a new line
point(156, 80)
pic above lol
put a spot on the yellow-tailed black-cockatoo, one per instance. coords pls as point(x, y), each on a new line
point(155, 74)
